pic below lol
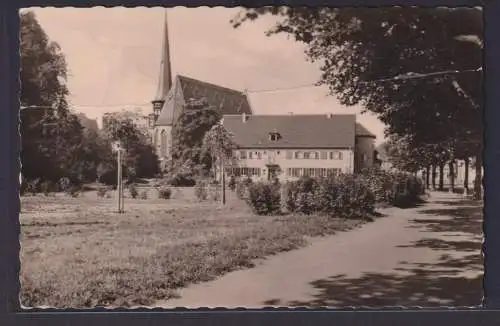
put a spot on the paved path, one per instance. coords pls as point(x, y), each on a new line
point(423, 256)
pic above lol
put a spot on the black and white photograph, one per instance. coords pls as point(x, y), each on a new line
point(251, 157)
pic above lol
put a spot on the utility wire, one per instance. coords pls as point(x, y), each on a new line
point(401, 77)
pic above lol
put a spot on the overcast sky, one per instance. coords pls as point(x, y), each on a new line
point(113, 59)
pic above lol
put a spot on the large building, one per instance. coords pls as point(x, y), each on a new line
point(291, 146)
point(171, 96)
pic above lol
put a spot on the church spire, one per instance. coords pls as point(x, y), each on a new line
point(165, 79)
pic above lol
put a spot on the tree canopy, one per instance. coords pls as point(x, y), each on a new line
point(188, 132)
point(417, 69)
point(51, 135)
point(55, 145)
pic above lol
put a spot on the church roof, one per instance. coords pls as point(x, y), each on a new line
point(295, 131)
point(229, 101)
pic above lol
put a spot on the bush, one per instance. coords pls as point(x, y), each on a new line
point(242, 187)
point(397, 189)
point(381, 183)
point(354, 197)
point(232, 183)
point(200, 191)
point(33, 186)
point(144, 195)
point(299, 196)
point(407, 190)
point(182, 179)
point(215, 192)
point(74, 191)
point(48, 187)
point(102, 191)
point(164, 193)
point(264, 198)
point(132, 188)
point(343, 196)
point(64, 184)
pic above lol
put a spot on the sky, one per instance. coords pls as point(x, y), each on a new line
point(113, 57)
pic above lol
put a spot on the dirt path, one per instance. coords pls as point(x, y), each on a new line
point(425, 256)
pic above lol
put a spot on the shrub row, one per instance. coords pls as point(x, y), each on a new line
point(343, 196)
point(348, 196)
point(48, 187)
point(396, 189)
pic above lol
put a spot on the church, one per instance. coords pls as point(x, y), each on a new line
point(283, 146)
point(172, 94)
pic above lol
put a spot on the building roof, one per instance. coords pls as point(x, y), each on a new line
point(296, 131)
point(361, 131)
point(229, 101)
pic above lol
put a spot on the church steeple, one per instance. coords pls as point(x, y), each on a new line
point(165, 79)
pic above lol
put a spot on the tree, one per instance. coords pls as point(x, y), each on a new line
point(188, 131)
point(140, 160)
point(218, 143)
point(51, 135)
point(417, 69)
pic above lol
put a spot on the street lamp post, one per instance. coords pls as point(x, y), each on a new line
point(118, 148)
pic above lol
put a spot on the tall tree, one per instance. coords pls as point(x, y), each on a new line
point(218, 143)
point(51, 134)
point(188, 132)
point(140, 160)
point(417, 69)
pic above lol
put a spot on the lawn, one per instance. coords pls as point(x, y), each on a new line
point(78, 252)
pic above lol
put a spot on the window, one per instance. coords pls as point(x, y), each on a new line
point(294, 172)
point(250, 172)
point(289, 155)
point(307, 155)
point(163, 143)
point(259, 155)
point(316, 155)
point(324, 155)
point(335, 155)
point(312, 172)
point(250, 155)
point(243, 154)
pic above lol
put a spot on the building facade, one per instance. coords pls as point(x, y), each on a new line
point(288, 147)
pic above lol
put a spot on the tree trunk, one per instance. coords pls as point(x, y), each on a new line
point(466, 176)
point(427, 176)
point(441, 177)
point(223, 182)
point(479, 178)
point(451, 168)
point(433, 177)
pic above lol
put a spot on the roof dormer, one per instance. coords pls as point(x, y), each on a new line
point(274, 135)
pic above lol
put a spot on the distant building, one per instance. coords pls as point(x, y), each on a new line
point(87, 123)
point(291, 146)
point(108, 121)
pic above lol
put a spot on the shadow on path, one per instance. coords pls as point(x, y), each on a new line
point(453, 230)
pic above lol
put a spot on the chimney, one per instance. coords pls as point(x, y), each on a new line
point(290, 113)
point(329, 115)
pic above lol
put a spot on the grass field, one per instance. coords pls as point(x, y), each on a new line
point(78, 252)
